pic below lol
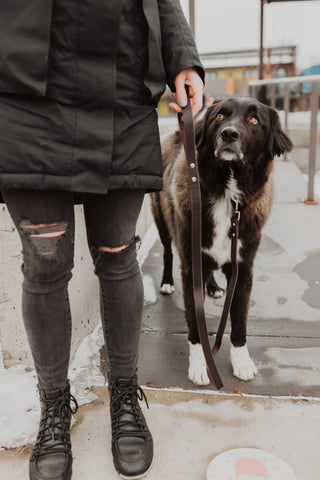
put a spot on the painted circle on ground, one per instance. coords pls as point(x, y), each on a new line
point(249, 464)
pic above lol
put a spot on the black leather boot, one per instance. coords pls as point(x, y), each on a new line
point(132, 445)
point(51, 457)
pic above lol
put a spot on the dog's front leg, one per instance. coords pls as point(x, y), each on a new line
point(197, 371)
point(243, 366)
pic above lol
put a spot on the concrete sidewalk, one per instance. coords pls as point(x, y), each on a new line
point(279, 411)
point(189, 430)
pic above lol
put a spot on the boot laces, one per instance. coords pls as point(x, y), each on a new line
point(127, 418)
point(54, 435)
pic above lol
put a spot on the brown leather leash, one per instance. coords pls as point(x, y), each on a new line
point(187, 133)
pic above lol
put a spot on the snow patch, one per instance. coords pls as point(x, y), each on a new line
point(85, 367)
point(147, 243)
point(150, 294)
point(20, 406)
point(20, 409)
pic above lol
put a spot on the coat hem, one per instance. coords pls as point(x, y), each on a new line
point(149, 183)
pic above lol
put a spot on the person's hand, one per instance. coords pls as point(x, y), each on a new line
point(189, 77)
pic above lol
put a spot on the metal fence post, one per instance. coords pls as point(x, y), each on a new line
point(313, 143)
point(286, 105)
point(273, 95)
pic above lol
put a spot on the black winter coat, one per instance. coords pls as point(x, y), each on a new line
point(79, 84)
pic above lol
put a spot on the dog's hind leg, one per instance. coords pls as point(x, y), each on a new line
point(243, 366)
point(213, 288)
point(167, 278)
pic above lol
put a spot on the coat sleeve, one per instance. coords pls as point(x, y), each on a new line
point(178, 47)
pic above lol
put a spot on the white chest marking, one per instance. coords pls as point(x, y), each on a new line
point(222, 210)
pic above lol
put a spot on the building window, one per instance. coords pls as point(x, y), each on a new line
point(252, 73)
point(211, 75)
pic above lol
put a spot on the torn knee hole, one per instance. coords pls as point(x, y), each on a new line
point(114, 249)
point(45, 237)
point(44, 229)
point(48, 235)
point(121, 248)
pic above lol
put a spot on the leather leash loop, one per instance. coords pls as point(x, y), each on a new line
point(188, 137)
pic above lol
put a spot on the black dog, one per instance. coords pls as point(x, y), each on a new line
point(237, 140)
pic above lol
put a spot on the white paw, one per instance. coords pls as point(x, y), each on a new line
point(218, 294)
point(243, 367)
point(197, 365)
point(167, 289)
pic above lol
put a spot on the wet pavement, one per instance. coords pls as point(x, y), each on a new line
point(284, 315)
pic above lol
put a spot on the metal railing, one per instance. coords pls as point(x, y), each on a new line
point(254, 88)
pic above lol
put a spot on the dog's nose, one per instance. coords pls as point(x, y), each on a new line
point(229, 134)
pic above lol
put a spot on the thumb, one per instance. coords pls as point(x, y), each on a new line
point(181, 95)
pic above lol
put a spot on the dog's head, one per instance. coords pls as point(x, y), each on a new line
point(241, 130)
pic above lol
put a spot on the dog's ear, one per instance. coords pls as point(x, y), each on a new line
point(278, 141)
point(201, 127)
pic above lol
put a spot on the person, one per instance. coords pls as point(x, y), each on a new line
point(79, 85)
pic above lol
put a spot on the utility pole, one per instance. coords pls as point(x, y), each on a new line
point(191, 18)
point(261, 40)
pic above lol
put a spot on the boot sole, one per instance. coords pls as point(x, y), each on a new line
point(35, 476)
point(136, 477)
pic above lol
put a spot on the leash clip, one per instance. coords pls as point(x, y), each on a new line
point(236, 211)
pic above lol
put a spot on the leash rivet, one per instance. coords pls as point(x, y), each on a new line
point(192, 165)
point(233, 234)
point(194, 179)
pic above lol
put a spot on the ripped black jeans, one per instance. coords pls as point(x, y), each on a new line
point(45, 222)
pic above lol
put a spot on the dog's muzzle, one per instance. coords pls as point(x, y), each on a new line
point(228, 145)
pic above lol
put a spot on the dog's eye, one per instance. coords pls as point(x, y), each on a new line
point(219, 117)
point(253, 120)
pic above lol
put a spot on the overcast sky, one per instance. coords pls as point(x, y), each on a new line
point(235, 24)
